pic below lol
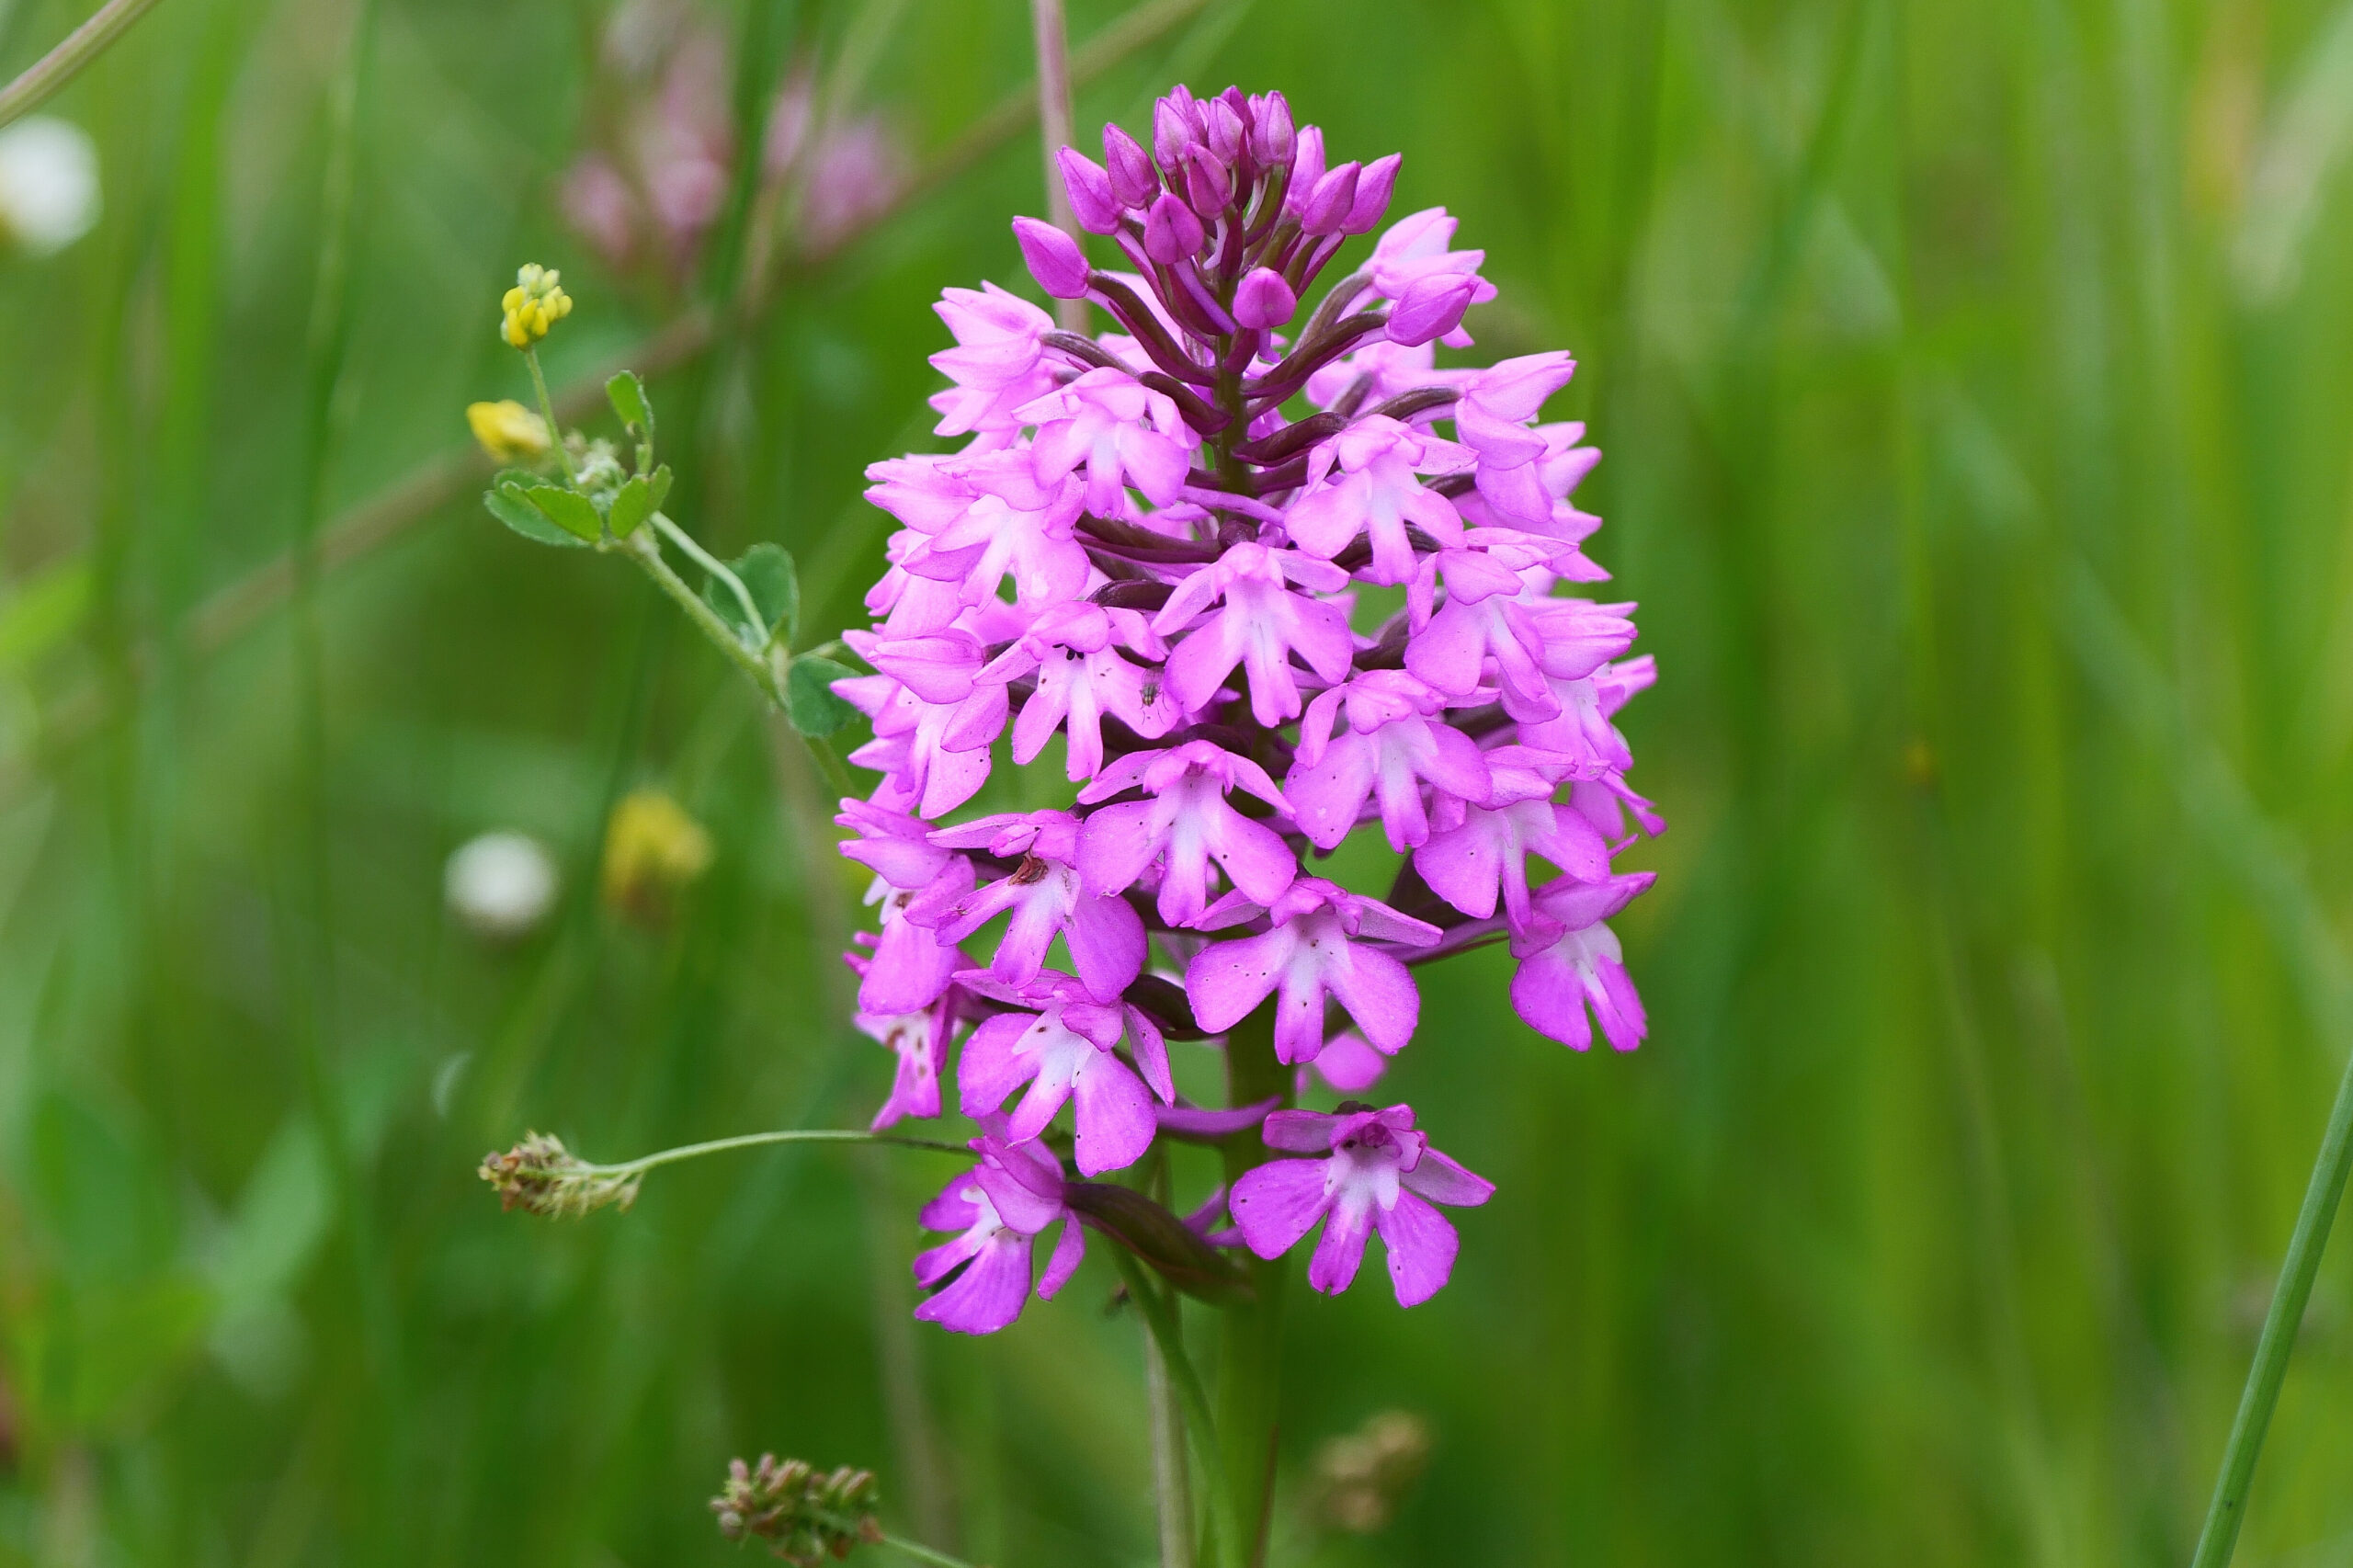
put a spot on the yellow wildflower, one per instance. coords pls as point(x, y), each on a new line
point(532, 306)
point(653, 848)
point(507, 431)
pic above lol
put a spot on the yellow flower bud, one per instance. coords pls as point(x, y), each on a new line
point(507, 431)
point(653, 849)
point(533, 305)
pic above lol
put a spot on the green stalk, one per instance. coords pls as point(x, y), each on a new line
point(645, 1163)
point(2289, 1298)
point(712, 564)
point(641, 549)
point(64, 63)
point(924, 1554)
point(547, 413)
point(1160, 1316)
point(1250, 1368)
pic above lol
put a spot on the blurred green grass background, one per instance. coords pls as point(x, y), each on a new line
point(1974, 382)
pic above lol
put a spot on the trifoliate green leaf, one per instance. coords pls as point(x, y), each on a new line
point(569, 510)
point(510, 506)
point(633, 504)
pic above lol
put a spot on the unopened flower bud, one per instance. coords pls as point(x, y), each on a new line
point(1091, 201)
point(1373, 188)
point(1328, 204)
point(533, 305)
point(653, 849)
point(539, 1176)
point(1272, 140)
point(1173, 130)
point(1264, 300)
point(1432, 307)
point(500, 885)
point(1306, 167)
point(1054, 259)
point(507, 431)
point(805, 1517)
point(1208, 186)
point(1132, 181)
point(1171, 233)
point(1226, 131)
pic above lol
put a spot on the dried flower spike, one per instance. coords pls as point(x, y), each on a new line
point(1361, 1477)
point(533, 305)
point(804, 1516)
point(542, 1177)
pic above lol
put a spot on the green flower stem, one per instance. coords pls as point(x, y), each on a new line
point(2288, 1298)
point(64, 63)
point(547, 413)
point(640, 547)
point(1172, 1488)
point(1168, 1335)
point(1250, 1366)
point(632, 1169)
point(711, 563)
point(924, 1554)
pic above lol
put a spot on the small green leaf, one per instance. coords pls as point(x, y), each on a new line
point(767, 570)
point(659, 483)
point(508, 505)
point(633, 504)
point(569, 510)
point(629, 400)
point(808, 700)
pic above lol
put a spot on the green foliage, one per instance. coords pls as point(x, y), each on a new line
point(627, 394)
point(513, 503)
point(1972, 383)
point(640, 496)
point(809, 699)
point(767, 572)
point(568, 509)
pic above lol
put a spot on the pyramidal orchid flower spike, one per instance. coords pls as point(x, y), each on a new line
point(1151, 544)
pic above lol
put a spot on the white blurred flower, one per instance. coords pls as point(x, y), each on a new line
point(49, 184)
point(500, 884)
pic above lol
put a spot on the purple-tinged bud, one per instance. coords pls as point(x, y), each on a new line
point(1054, 258)
point(1327, 205)
point(1091, 201)
point(1172, 130)
point(1227, 131)
point(1306, 169)
point(1432, 307)
point(1130, 167)
point(1171, 233)
point(1207, 184)
point(1264, 300)
point(1271, 137)
point(1373, 188)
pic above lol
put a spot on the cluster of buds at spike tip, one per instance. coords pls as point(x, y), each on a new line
point(806, 1517)
point(1144, 551)
point(540, 1176)
point(536, 303)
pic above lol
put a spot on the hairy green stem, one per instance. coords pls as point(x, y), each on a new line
point(645, 1163)
point(641, 549)
point(712, 564)
point(2288, 1298)
point(547, 413)
point(61, 64)
point(922, 1553)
